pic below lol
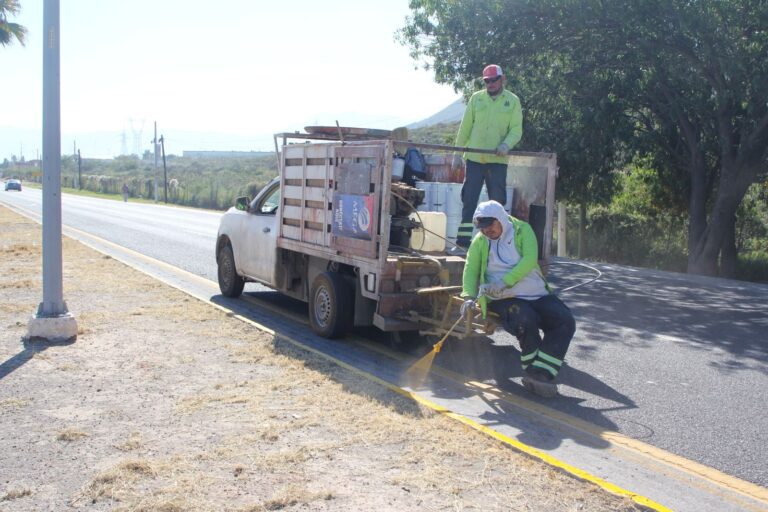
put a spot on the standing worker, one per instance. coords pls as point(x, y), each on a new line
point(125, 192)
point(502, 274)
point(492, 120)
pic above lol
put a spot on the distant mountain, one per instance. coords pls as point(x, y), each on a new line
point(450, 114)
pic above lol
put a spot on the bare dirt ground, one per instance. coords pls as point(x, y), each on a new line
point(164, 403)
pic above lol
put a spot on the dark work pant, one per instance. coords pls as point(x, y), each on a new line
point(495, 178)
point(524, 318)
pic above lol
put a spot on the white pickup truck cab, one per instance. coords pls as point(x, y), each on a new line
point(248, 241)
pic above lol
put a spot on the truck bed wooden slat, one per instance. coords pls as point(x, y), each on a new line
point(310, 214)
point(310, 172)
point(302, 151)
point(311, 236)
point(309, 193)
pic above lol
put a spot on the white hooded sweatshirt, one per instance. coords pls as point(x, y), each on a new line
point(503, 255)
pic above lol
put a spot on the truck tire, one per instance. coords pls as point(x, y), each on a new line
point(330, 305)
point(230, 284)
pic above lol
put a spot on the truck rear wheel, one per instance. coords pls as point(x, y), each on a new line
point(330, 305)
point(230, 284)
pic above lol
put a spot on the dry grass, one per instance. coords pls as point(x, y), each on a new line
point(9, 403)
point(292, 496)
point(134, 442)
point(116, 482)
point(14, 494)
point(71, 434)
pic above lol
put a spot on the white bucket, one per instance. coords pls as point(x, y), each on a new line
point(428, 188)
point(510, 199)
point(453, 203)
point(398, 167)
point(432, 237)
point(452, 227)
point(438, 196)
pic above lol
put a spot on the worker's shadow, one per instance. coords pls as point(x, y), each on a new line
point(484, 364)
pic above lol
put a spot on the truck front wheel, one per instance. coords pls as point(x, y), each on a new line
point(230, 284)
point(330, 305)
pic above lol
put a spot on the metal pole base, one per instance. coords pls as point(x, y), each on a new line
point(52, 328)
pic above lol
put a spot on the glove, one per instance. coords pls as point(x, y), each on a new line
point(457, 163)
point(467, 307)
point(493, 291)
point(502, 150)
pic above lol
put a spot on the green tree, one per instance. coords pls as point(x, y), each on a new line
point(582, 124)
point(691, 75)
point(9, 30)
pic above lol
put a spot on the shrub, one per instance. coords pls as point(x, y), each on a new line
point(753, 266)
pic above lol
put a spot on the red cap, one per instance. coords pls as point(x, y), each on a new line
point(492, 71)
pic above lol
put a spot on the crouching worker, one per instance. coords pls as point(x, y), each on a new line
point(502, 274)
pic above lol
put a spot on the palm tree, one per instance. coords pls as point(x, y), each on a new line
point(9, 30)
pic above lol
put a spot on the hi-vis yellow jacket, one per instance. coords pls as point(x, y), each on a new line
point(488, 122)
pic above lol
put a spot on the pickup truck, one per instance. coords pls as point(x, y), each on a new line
point(333, 230)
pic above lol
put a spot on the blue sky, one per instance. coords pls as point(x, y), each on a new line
point(214, 75)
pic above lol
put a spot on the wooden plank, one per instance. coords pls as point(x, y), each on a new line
point(313, 237)
point(373, 151)
point(296, 151)
point(316, 172)
point(317, 150)
point(292, 232)
point(293, 172)
point(309, 235)
point(310, 193)
point(310, 172)
point(315, 215)
point(292, 212)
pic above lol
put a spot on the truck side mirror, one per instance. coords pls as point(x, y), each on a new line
point(241, 203)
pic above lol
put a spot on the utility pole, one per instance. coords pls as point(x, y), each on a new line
point(154, 143)
point(165, 171)
point(53, 321)
point(75, 178)
point(74, 161)
point(79, 171)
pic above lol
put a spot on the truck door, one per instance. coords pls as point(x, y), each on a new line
point(260, 236)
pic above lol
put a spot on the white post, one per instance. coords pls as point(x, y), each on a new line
point(52, 321)
point(561, 246)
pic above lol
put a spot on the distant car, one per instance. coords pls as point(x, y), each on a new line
point(13, 185)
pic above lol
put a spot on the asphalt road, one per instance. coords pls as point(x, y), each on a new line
point(675, 361)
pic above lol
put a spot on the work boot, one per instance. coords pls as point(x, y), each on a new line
point(540, 382)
